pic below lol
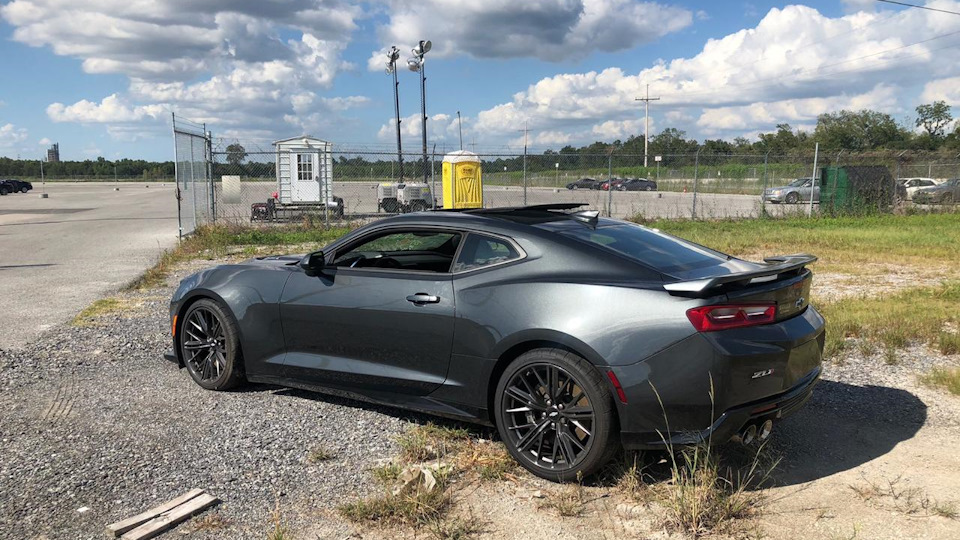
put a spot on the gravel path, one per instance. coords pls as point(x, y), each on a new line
point(94, 417)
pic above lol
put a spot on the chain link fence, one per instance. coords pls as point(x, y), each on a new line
point(228, 181)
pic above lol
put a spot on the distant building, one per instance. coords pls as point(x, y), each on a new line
point(53, 153)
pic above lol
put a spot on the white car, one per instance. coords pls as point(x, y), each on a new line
point(913, 184)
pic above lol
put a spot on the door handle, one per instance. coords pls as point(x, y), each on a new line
point(423, 298)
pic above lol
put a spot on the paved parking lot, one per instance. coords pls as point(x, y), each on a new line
point(57, 255)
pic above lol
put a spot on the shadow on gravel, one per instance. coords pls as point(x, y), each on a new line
point(842, 427)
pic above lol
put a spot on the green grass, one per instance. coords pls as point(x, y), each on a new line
point(430, 441)
point(894, 321)
point(843, 244)
point(101, 308)
point(945, 378)
point(216, 240)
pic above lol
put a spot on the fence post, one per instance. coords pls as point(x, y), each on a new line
point(763, 193)
point(213, 192)
point(610, 184)
point(696, 182)
point(176, 175)
point(813, 181)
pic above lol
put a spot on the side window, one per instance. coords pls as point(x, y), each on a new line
point(424, 251)
point(480, 250)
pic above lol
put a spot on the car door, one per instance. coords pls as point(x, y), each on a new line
point(370, 327)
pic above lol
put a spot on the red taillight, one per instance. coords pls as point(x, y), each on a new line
point(713, 318)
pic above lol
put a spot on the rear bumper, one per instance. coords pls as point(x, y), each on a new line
point(732, 420)
point(710, 385)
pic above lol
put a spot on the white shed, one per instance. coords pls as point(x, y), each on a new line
point(304, 171)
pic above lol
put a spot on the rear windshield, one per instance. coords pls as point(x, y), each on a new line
point(659, 251)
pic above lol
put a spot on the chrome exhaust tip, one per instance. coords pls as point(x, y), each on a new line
point(765, 430)
point(749, 434)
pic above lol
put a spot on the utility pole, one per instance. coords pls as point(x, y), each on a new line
point(646, 122)
point(525, 131)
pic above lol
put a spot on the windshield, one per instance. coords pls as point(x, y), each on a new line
point(659, 251)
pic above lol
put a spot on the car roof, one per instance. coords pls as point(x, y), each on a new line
point(505, 220)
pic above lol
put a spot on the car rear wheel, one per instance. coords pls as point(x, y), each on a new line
point(210, 346)
point(555, 415)
point(4, 190)
point(792, 198)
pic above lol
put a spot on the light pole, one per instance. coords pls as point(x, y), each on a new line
point(392, 57)
point(416, 64)
point(557, 167)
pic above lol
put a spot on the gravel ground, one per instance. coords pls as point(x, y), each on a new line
point(94, 417)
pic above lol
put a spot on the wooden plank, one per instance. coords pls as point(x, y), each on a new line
point(120, 527)
point(168, 519)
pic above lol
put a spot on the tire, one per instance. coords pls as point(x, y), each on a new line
point(24, 189)
point(4, 190)
point(574, 187)
point(648, 188)
point(947, 198)
point(541, 449)
point(212, 357)
point(792, 198)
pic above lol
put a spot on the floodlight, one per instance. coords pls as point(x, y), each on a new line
point(413, 64)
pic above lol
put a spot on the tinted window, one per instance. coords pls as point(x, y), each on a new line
point(661, 252)
point(479, 251)
point(425, 251)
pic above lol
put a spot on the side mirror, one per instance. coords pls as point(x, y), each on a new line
point(313, 263)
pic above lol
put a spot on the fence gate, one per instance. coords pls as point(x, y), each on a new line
point(192, 161)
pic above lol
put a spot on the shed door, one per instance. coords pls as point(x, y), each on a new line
point(305, 172)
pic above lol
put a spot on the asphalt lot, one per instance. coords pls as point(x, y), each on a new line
point(58, 255)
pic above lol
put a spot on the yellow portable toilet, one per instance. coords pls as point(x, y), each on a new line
point(462, 182)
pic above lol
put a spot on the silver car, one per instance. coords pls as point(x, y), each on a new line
point(793, 193)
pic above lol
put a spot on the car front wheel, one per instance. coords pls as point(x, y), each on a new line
point(792, 198)
point(210, 346)
point(555, 415)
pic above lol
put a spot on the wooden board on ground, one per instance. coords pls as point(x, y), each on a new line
point(170, 518)
point(120, 527)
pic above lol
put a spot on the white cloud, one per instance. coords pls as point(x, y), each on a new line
point(240, 65)
point(11, 135)
point(947, 89)
point(793, 111)
point(795, 64)
point(111, 110)
point(44, 142)
point(551, 30)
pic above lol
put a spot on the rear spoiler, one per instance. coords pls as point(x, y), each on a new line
point(776, 266)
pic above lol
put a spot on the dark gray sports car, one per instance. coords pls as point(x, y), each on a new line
point(573, 335)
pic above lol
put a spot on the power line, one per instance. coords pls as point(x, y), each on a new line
point(919, 7)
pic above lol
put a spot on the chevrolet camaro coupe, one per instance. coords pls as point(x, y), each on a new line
point(574, 335)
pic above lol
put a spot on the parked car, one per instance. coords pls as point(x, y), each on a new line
point(637, 184)
point(584, 183)
point(573, 334)
point(615, 182)
point(792, 193)
point(19, 185)
point(913, 184)
point(945, 193)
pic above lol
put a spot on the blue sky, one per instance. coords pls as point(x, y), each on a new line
point(102, 76)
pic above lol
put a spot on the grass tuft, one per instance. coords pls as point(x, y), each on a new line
point(944, 378)
point(101, 308)
point(568, 501)
point(430, 441)
point(320, 453)
point(213, 521)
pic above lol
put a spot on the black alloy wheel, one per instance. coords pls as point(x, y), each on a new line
point(24, 189)
point(4, 190)
point(555, 415)
point(209, 346)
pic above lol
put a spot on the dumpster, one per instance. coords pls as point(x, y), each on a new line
point(462, 180)
point(858, 189)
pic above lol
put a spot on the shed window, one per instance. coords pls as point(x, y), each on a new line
point(305, 167)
